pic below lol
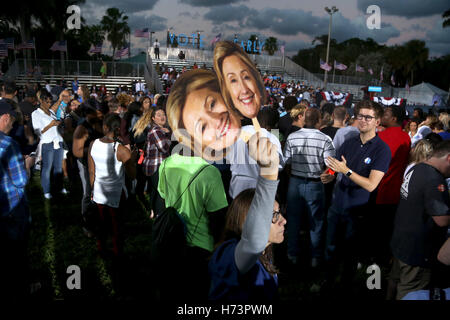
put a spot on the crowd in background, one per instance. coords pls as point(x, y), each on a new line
point(119, 145)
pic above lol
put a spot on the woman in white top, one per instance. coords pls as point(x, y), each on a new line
point(46, 128)
point(108, 162)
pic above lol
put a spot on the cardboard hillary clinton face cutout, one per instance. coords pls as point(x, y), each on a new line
point(240, 82)
point(199, 117)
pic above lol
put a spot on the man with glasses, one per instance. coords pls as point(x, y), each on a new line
point(360, 165)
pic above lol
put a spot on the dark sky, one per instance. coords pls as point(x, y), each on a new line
point(294, 23)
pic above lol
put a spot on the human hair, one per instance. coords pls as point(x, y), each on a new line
point(439, 126)
point(312, 118)
point(268, 118)
point(420, 112)
point(9, 87)
point(235, 219)
point(44, 95)
point(398, 112)
point(421, 152)
point(142, 99)
point(441, 149)
point(444, 117)
point(339, 113)
point(368, 104)
point(225, 49)
point(188, 82)
point(432, 121)
point(433, 138)
point(85, 92)
point(297, 110)
point(113, 105)
point(289, 102)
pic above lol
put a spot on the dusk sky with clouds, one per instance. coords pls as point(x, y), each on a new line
point(294, 23)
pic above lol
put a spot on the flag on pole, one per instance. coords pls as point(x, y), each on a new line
point(144, 33)
point(370, 71)
point(393, 79)
point(9, 43)
point(282, 49)
point(381, 73)
point(407, 86)
point(95, 49)
point(359, 69)
point(122, 52)
point(339, 66)
point(59, 46)
point(26, 45)
point(216, 39)
point(3, 50)
point(324, 66)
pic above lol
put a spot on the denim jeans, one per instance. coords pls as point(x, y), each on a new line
point(305, 198)
point(51, 159)
point(86, 184)
point(340, 232)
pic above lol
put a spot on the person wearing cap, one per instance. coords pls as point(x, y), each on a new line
point(14, 212)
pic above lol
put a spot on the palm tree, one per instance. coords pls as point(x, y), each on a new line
point(271, 45)
point(115, 23)
point(446, 16)
point(96, 34)
point(417, 56)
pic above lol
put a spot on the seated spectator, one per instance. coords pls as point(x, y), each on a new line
point(181, 55)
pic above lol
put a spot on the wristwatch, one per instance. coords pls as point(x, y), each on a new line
point(349, 173)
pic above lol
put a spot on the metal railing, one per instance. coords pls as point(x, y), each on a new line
point(40, 67)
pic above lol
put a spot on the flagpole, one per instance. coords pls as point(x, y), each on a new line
point(334, 69)
point(34, 44)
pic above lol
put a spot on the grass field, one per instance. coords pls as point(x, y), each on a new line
point(57, 241)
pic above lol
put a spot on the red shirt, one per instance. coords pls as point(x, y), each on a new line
point(400, 144)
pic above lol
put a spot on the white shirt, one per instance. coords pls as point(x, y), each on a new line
point(156, 44)
point(244, 169)
point(40, 120)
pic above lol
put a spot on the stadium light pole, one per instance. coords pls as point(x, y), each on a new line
point(330, 12)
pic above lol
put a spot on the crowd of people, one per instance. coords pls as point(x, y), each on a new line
point(368, 184)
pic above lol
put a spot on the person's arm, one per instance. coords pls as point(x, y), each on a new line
point(79, 138)
point(16, 167)
point(91, 167)
point(53, 123)
point(444, 253)
point(442, 221)
point(158, 138)
point(128, 158)
point(256, 229)
point(370, 183)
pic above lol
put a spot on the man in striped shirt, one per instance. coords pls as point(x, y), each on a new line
point(306, 151)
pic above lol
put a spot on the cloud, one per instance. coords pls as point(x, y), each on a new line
point(227, 13)
point(185, 14)
point(128, 6)
point(438, 40)
point(296, 45)
point(153, 22)
point(407, 8)
point(209, 3)
point(416, 27)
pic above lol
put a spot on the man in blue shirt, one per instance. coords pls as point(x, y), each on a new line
point(360, 165)
point(14, 213)
point(75, 85)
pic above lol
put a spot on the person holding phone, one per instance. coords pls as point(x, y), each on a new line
point(45, 126)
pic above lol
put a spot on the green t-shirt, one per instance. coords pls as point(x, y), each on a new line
point(206, 193)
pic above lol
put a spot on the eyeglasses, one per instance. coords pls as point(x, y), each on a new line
point(276, 216)
point(365, 117)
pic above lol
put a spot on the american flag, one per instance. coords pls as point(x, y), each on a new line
point(339, 66)
point(324, 66)
point(393, 79)
point(370, 71)
point(121, 53)
point(359, 69)
point(59, 46)
point(282, 49)
point(26, 45)
point(95, 49)
point(3, 50)
point(216, 39)
point(142, 33)
point(381, 73)
point(407, 86)
point(9, 42)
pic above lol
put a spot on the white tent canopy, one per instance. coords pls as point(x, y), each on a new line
point(424, 93)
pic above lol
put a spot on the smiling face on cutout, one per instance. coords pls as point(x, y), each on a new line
point(242, 86)
point(207, 119)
